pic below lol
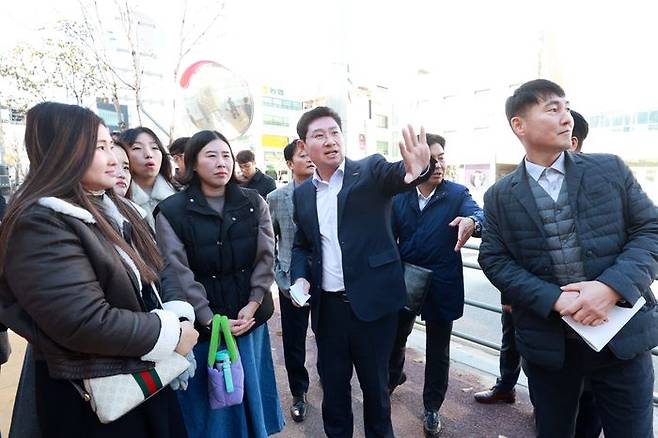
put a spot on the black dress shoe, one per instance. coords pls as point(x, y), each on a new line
point(432, 423)
point(298, 408)
point(403, 378)
point(495, 395)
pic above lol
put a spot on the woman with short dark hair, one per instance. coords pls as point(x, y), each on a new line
point(218, 242)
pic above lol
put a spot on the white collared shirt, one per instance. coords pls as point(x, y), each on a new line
point(422, 200)
point(549, 178)
point(327, 206)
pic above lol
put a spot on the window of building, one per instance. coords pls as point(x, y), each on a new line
point(653, 117)
point(16, 116)
point(275, 102)
point(382, 147)
point(617, 120)
point(449, 111)
point(381, 121)
point(107, 112)
point(483, 108)
point(653, 120)
point(275, 120)
point(146, 24)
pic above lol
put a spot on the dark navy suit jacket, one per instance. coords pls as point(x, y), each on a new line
point(372, 270)
point(425, 239)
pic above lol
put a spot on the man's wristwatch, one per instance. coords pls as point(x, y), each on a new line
point(478, 225)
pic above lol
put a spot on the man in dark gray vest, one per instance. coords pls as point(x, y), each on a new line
point(573, 235)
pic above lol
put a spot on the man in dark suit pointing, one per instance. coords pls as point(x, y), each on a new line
point(344, 254)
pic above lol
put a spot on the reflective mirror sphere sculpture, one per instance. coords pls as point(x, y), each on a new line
point(217, 99)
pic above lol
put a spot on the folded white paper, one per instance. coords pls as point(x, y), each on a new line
point(298, 295)
point(599, 336)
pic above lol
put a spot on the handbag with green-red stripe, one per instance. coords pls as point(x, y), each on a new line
point(113, 396)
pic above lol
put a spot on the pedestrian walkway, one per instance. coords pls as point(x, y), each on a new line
point(9, 374)
point(461, 416)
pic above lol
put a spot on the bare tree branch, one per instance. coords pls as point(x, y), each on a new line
point(203, 32)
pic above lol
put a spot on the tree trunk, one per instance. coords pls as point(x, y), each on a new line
point(117, 109)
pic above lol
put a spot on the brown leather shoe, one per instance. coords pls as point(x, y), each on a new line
point(495, 395)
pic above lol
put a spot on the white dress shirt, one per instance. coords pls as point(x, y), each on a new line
point(549, 178)
point(422, 200)
point(327, 206)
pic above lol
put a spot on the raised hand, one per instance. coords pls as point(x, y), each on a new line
point(415, 153)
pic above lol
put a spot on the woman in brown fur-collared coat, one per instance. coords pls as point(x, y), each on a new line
point(74, 283)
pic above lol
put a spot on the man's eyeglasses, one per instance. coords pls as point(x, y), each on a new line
point(323, 137)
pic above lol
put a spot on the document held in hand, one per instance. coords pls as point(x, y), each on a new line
point(298, 295)
point(599, 336)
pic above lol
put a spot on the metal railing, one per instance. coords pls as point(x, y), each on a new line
point(499, 310)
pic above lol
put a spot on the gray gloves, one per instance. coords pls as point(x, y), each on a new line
point(180, 382)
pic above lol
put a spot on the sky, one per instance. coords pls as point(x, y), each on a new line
point(605, 49)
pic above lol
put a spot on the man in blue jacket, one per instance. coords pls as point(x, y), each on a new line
point(345, 255)
point(573, 235)
point(431, 225)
